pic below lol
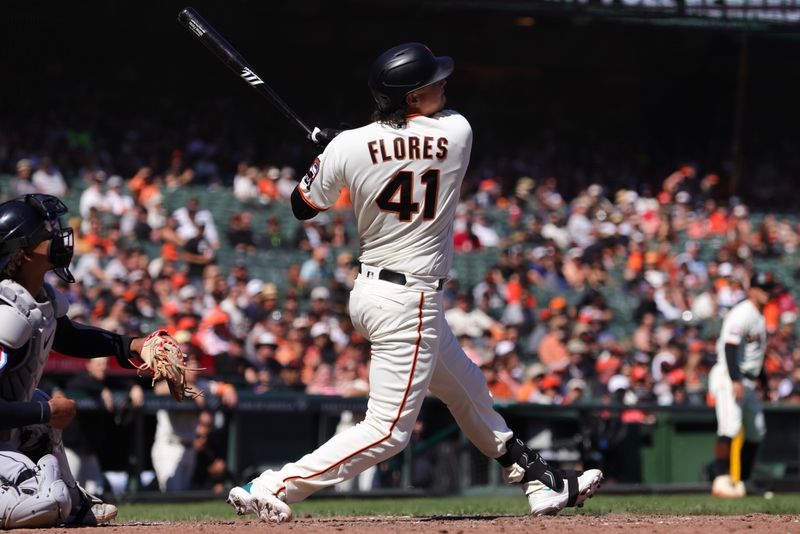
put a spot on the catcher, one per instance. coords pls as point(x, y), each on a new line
point(38, 488)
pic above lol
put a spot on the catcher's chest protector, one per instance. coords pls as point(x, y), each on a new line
point(18, 379)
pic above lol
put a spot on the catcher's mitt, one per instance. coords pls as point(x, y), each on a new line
point(163, 356)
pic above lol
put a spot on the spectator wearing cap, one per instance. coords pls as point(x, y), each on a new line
point(466, 320)
point(498, 388)
point(197, 253)
point(240, 232)
point(244, 183)
point(320, 303)
point(290, 378)
point(316, 270)
point(293, 345)
point(267, 178)
point(643, 335)
point(119, 204)
point(266, 301)
point(48, 180)
point(194, 221)
point(491, 292)
point(323, 381)
point(214, 333)
point(309, 236)
point(641, 384)
point(190, 302)
point(549, 390)
point(509, 367)
point(93, 197)
point(484, 231)
point(89, 267)
point(272, 238)
point(576, 390)
point(352, 379)
point(580, 228)
point(531, 388)
point(553, 351)
point(580, 364)
point(266, 345)
point(321, 348)
point(234, 300)
point(339, 236)
point(286, 183)
point(21, 182)
point(232, 366)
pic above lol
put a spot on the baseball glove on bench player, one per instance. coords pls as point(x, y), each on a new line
point(162, 355)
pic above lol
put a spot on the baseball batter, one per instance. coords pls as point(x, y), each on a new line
point(732, 382)
point(404, 174)
point(38, 488)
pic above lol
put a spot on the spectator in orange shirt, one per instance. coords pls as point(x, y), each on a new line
point(267, 184)
point(498, 388)
point(553, 349)
point(531, 386)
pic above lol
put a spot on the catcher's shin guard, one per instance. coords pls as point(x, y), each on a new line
point(548, 490)
point(40, 500)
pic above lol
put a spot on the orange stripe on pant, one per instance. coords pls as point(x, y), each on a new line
point(396, 419)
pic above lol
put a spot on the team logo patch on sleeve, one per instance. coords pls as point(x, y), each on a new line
point(308, 179)
point(3, 357)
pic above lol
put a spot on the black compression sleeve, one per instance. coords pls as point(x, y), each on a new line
point(733, 363)
point(84, 341)
point(300, 207)
point(17, 414)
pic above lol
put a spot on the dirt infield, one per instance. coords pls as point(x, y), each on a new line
point(761, 523)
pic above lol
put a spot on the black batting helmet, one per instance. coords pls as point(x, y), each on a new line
point(763, 280)
point(27, 221)
point(402, 69)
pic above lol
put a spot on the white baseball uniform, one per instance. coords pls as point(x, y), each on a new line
point(744, 326)
point(404, 185)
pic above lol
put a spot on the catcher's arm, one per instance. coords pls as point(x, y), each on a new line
point(85, 341)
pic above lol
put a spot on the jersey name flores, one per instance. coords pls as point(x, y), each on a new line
point(404, 186)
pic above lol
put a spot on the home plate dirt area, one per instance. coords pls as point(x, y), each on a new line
point(654, 524)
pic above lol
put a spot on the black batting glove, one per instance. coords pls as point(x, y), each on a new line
point(323, 136)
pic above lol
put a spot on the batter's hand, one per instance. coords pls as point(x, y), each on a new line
point(323, 136)
point(62, 412)
point(738, 390)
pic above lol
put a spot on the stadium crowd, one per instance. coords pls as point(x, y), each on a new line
point(610, 297)
point(682, 256)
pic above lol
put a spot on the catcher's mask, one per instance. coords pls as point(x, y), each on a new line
point(27, 221)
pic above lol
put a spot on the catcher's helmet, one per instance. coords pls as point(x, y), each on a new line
point(27, 221)
point(763, 280)
point(403, 69)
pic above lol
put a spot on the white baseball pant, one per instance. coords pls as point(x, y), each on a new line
point(413, 349)
point(732, 415)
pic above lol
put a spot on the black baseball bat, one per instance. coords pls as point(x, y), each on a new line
point(221, 48)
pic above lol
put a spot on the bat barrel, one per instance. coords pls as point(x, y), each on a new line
point(221, 48)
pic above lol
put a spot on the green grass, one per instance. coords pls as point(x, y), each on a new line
point(602, 504)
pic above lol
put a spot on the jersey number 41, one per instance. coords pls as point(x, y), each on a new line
point(398, 195)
